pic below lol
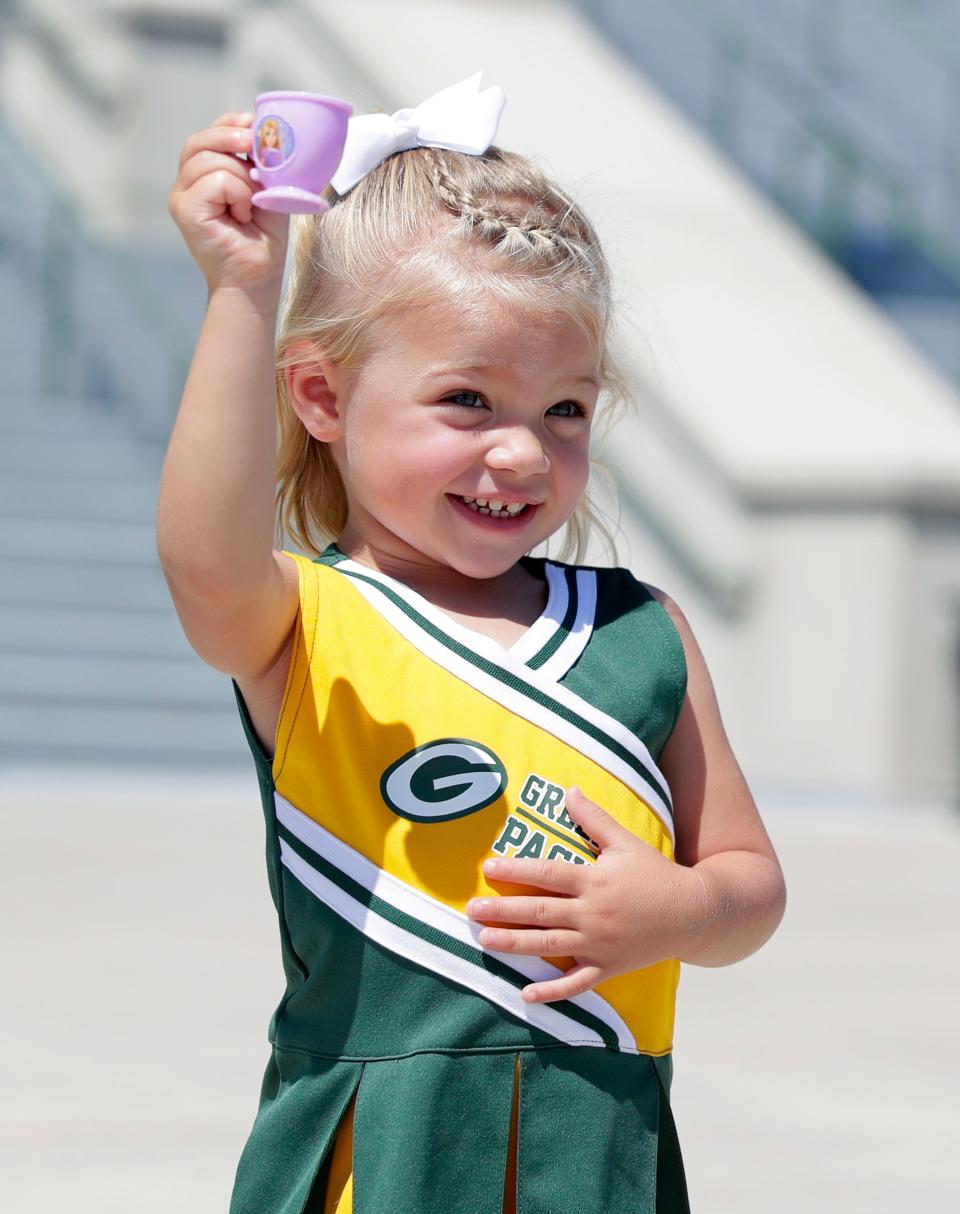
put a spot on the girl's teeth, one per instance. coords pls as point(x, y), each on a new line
point(496, 508)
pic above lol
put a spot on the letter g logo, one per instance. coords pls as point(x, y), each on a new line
point(442, 780)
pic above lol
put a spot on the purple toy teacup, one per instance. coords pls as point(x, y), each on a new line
point(298, 140)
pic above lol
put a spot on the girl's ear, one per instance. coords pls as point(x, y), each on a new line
point(313, 390)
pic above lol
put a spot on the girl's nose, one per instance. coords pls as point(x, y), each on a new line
point(518, 450)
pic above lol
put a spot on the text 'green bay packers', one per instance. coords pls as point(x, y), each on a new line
point(541, 827)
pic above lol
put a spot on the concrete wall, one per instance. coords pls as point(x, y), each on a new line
point(792, 471)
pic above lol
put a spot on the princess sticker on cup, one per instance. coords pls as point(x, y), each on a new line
point(275, 142)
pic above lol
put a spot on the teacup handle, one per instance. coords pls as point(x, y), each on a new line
point(255, 174)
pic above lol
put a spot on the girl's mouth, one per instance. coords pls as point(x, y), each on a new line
point(494, 514)
point(494, 507)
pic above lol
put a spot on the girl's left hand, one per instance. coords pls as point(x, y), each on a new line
point(630, 909)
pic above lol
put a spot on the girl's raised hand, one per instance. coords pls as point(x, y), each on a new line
point(630, 909)
point(235, 243)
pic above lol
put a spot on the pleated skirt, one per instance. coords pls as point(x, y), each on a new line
point(535, 1131)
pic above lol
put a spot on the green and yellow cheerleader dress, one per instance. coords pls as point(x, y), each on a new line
point(407, 1075)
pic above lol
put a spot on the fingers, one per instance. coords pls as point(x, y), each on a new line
point(545, 912)
point(211, 203)
point(577, 981)
point(214, 192)
point(604, 830)
point(554, 875)
point(234, 118)
point(222, 136)
point(206, 162)
point(553, 942)
point(212, 157)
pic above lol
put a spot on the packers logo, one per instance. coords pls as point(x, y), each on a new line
point(444, 779)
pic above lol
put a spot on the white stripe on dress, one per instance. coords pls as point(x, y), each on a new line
point(454, 924)
point(557, 665)
point(542, 630)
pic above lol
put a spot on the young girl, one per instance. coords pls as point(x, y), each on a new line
point(481, 958)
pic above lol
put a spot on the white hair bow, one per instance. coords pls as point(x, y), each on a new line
point(460, 118)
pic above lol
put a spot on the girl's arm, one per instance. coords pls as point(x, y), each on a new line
point(236, 597)
point(634, 907)
point(719, 834)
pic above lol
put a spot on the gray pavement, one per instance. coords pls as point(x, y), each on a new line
point(141, 967)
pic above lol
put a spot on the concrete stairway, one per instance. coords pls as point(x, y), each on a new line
point(93, 665)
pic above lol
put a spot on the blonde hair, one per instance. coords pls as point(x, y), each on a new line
point(426, 227)
point(271, 125)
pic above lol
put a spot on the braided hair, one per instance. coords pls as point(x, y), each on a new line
point(549, 225)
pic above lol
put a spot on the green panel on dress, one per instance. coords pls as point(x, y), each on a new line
point(633, 667)
point(587, 1115)
point(302, 1102)
point(431, 1135)
point(294, 969)
point(671, 1180)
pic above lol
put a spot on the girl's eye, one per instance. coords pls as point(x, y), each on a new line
point(469, 400)
point(567, 408)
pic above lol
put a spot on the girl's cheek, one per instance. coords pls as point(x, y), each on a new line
point(440, 454)
point(575, 468)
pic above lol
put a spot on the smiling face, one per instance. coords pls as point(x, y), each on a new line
point(463, 442)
